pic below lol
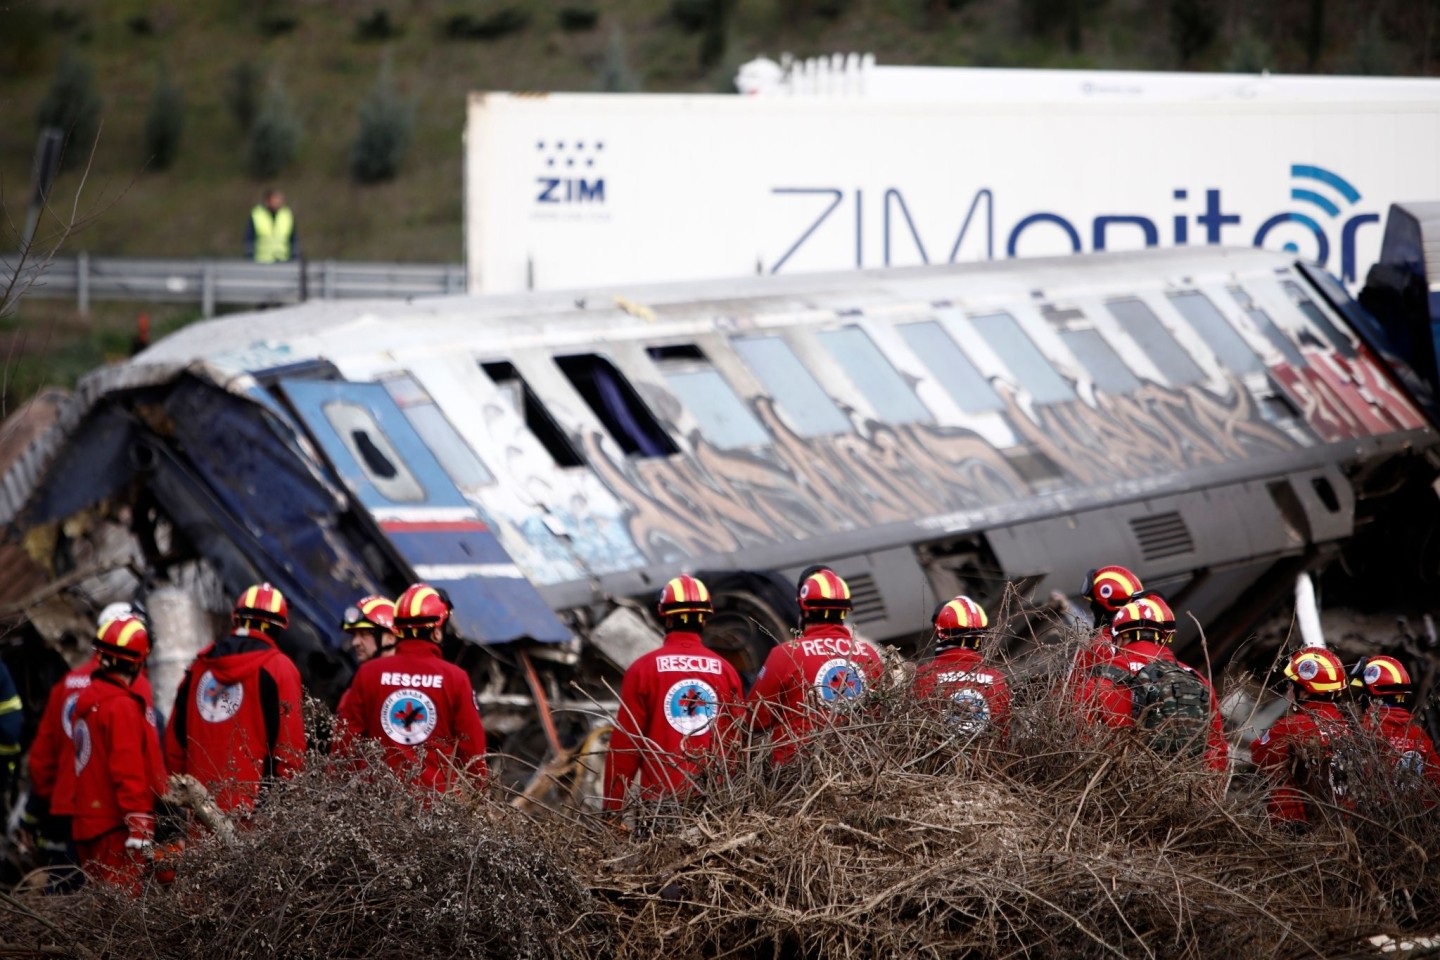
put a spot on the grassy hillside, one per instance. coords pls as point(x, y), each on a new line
point(314, 49)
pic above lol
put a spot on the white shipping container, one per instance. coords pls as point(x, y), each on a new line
point(571, 190)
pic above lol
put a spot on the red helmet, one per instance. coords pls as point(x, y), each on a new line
point(1382, 676)
point(419, 610)
point(123, 638)
point(961, 617)
point(264, 604)
point(1145, 618)
point(1110, 587)
point(370, 613)
point(1316, 671)
point(824, 591)
point(685, 595)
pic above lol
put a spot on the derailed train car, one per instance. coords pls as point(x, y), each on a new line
point(1218, 419)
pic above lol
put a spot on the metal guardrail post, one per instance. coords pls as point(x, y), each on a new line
point(327, 279)
point(304, 280)
point(82, 283)
point(207, 289)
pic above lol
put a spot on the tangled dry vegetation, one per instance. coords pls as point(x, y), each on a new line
point(892, 835)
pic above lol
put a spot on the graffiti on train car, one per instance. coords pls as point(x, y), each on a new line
point(721, 500)
point(1151, 431)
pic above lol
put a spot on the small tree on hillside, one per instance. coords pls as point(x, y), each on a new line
point(386, 121)
point(165, 121)
point(73, 104)
point(1193, 25)
point(242, 86)
point(275, 135)
point(615, 73)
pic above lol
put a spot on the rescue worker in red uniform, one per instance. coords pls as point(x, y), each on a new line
point(1298, 749)
point(1106, 589)
point(237, 718)
point(976, 694)
point(817, 676)
point(1385, 688)
point(46, 821)
point(676, 703)
point(119, 772)
point(371, 625)
point(1143, 686)
point(420, 707)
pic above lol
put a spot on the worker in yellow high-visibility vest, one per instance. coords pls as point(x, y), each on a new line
point(270, 236)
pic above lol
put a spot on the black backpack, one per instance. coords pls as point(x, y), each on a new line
point(1168, 701)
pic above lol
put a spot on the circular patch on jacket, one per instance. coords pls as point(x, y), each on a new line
point(691, 706)
point(67, 714)
point(1411, 763)
point(408, 717)
point(839, 680)
point(969, 711)
point(216, 701)
point(81, 736)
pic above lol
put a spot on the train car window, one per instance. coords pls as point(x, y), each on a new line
point(797, 394)
point(1301, 299)
point(1140, 322)
point(726, 421)
point(1277, 337)
point(454, 454)
point(373, 453)
point(528, 407)
point(1233, 352)
point(614, 401)
point(951, 367)
point(1026, 362)
point(892, 398)
point(1100, 360)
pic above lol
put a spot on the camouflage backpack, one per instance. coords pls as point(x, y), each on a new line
point(1168, 701)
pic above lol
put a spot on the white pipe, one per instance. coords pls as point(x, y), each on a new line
point(1307, 612)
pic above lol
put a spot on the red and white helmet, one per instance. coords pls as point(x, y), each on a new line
point(124, 638)
point(683, 596)
point(370, 613)
point(261, 604)
point(1316, 671)
point(419, 610)
point(1145, 618)
point(1382, 677)
point(959, 619)
point(824, 595)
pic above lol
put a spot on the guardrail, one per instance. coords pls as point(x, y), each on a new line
point(84, 278)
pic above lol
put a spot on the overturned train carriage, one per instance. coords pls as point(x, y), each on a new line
point(1217, 419)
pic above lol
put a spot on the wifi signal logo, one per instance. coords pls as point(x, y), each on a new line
point(1323, 192)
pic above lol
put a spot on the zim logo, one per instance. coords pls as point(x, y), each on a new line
point(408, 717)
point(568, 172)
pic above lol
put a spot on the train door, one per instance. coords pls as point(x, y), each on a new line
point(438, 533)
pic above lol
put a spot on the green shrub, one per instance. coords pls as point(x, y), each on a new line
point(276, 18)
point(577, 19)
point(164, 122)
point(22, 40)
point(275, 135)
point(385, 124)
point(377, 27)
point(691, 15)
point(73, 104)
point(241, 93)
point(141, 25)
point(1193, 25)
point(501, 23)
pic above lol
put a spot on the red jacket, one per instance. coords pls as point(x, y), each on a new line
point(979, 693)
point(676, 704)
point(806, 681)
point(414, 699)
point(118, 767)
point(1306, 735)
point(1097, 650)
point(237, 719)
point(52, 755)
point(1111, 703)
point(1414, 752)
